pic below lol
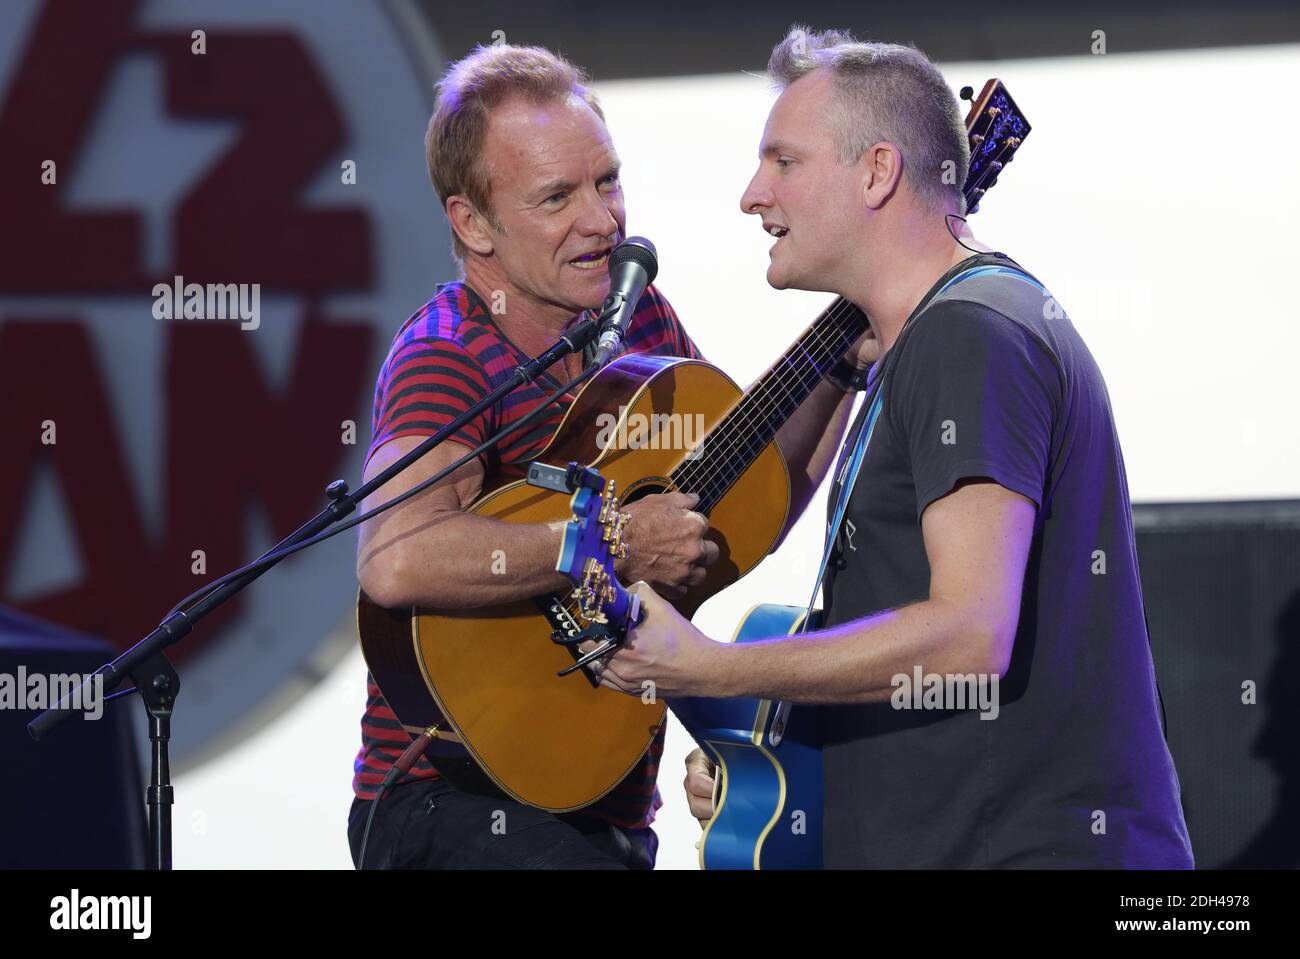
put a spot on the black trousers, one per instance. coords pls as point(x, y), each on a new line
point(434, 825)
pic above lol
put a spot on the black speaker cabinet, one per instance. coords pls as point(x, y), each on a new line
point(1222, 589)
point(74, 800)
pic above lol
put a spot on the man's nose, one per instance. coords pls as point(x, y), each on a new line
point(756, 197)
point(597, 215)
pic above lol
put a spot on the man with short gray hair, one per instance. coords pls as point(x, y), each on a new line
point(885, 92)
point(980, 518)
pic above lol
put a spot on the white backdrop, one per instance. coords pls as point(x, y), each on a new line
point(1156, 197)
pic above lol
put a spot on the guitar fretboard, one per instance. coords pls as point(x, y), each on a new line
point(731, 446)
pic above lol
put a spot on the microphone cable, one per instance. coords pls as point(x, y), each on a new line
point(398, 770)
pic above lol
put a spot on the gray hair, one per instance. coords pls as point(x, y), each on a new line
point(885, 92)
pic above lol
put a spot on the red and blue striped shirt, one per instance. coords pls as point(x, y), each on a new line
point(446, 357)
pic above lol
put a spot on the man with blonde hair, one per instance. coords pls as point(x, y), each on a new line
point(528, 177)
point(979, 518)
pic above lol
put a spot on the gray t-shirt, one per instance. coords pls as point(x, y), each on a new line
point(992, 380)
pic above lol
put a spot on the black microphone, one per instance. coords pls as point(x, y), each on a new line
point(632, 267)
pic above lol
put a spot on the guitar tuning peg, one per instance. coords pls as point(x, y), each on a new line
point(619, 545)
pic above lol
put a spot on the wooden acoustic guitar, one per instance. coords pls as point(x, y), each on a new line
point(490, 678)
point(489, 675)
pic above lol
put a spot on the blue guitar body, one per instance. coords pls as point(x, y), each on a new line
point(768, 806)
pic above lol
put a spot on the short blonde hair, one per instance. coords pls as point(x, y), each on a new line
point(453, 144)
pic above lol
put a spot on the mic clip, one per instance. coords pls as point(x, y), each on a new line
point(613, 303)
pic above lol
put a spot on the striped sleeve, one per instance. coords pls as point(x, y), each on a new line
point(426, 383)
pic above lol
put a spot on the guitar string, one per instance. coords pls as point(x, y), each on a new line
point(772, 391)
point(774, 387)
point(779, 384)
point(755, 426)
point(787, 382)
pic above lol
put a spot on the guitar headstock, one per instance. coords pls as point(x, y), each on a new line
point(995, 127)
point(593, 540)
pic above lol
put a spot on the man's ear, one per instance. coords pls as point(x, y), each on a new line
point(469, 224)
point(882, 170)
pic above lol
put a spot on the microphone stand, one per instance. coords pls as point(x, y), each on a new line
point(157, 681)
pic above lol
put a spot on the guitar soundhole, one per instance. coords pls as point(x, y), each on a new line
point(645, 487)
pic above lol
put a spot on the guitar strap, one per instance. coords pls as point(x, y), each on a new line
point(875, 401)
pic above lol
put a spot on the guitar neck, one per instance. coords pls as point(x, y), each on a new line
point(729, 449)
